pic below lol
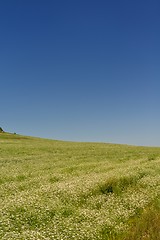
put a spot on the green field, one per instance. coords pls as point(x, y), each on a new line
point(66, 190)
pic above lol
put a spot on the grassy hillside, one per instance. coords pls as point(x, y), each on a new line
point(63, 190)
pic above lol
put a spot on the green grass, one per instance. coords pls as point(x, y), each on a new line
point(84, 191)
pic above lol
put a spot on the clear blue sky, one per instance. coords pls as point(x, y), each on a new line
point(81, 70)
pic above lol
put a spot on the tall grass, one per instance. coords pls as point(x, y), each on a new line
point(64, 190)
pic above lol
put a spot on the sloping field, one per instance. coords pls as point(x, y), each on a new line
point(63, 190)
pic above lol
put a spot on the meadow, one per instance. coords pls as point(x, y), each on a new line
point(56, 190)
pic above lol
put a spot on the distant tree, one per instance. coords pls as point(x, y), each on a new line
point(1, 130)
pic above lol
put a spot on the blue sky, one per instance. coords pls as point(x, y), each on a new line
point(81, 70)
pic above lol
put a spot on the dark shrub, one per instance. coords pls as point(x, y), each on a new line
point(1, 130)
